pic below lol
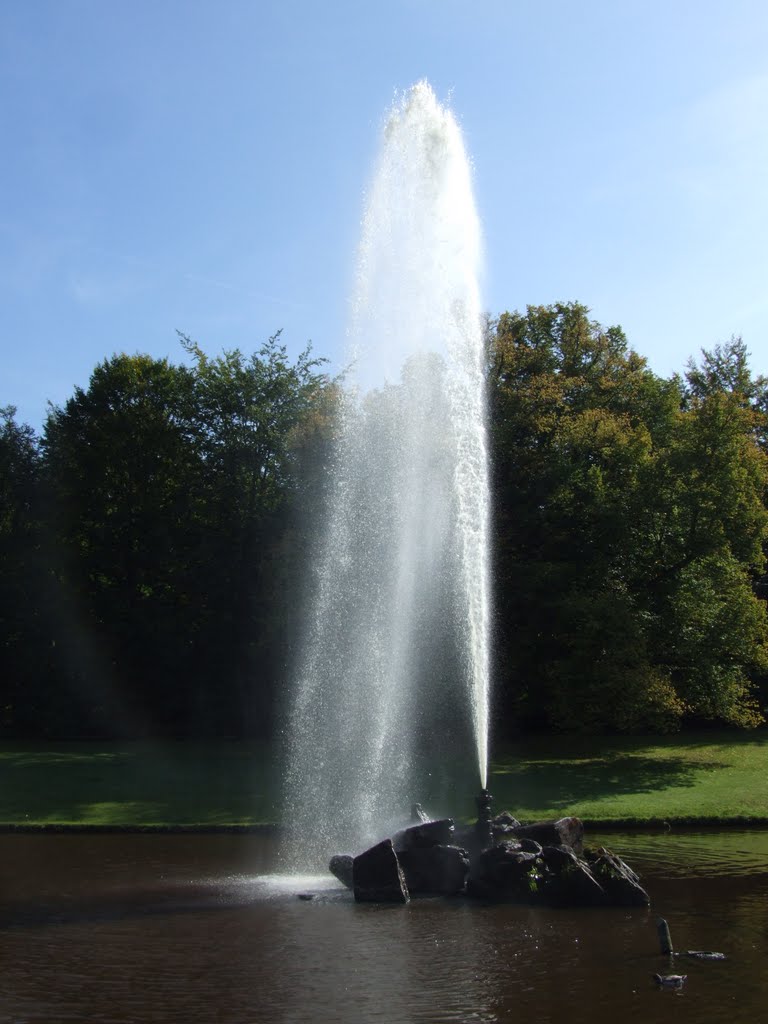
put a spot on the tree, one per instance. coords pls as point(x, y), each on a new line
point(22, 640)
point(166, 498)
point(725, 370)
point(708, 522)
point(122, 473)
point(615, 490)
point(251, 418)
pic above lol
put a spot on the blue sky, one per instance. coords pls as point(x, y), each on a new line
point(201, 166)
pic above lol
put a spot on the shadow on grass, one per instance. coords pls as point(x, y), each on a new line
point(136, 784)
point(577, 746)
point(541, 783)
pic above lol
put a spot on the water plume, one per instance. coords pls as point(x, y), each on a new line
point(392, 687)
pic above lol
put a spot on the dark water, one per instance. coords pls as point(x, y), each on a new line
point(149, 928)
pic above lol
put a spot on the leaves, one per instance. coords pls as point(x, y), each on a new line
point(166, 503)
point(614, 491)
point(154, 541)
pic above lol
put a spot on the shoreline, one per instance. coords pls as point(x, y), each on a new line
point(272, 829)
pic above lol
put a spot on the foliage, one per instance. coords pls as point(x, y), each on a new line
point(21, 643)
point(164, 496)
point(251, 419)
point(630, 522)
point(154, 541)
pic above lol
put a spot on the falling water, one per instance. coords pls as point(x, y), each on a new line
point(393, 681)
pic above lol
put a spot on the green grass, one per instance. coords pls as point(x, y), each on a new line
point(707, 777)
point(136, 784)
point(636, 780)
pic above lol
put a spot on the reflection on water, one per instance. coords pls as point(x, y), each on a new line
point(148, 928)
point(698, 853)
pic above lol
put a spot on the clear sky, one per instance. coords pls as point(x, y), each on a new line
point(201, 165)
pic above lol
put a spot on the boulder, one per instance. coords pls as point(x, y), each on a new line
point(539, 864)
point(435, 869)
point(603, 880)
point(558, 857)
point(504, 820)
point(464, 837)
point(530, 846)
point(563, 832)
point(503, 826)
point(378, 877)
point(342, 867)
point(567, 880)
point(506, 872)
point(619, 882)
point(428, 833)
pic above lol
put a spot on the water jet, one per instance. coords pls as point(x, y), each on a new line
point(392, 685)
point(391, 690)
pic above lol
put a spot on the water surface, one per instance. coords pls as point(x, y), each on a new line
point(171, 928)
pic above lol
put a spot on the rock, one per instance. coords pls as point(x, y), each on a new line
point(464, 838)
point(564, 832)
point(429, 833)
point(503, 826)
point(378, 876)
point(530, 846)
point(505, 872)
point(603, 881)
point(523, 871)
point(568, 881)
point(538, 864)
point(558, 857)
point(341, 866)
point(435, 869)
point(619, 882)
point(501, 830)
point(505, 819)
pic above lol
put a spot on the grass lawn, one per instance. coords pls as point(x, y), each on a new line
point(707, 777)
point(712, 776)
point(133, 784)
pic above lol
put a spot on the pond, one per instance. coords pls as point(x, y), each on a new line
point(179, 928)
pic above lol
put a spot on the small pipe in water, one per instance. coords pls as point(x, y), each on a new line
point(665, 939)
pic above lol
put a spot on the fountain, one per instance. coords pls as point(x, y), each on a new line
point(392, 687)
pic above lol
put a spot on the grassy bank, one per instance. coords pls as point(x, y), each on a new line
point(706, 778)
point(137, 784)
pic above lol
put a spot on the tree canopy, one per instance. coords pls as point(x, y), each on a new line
point(631, 525)
point(158, 506)
point(154, 539)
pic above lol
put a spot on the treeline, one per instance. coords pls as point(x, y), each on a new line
point(151, 545)
point(631, 523)
point(154, 540)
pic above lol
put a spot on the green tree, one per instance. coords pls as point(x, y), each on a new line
point(614, 490)
point(122, 472)
point(255, 418)
point(708, 523)
point(171, 496)
point(22, 639)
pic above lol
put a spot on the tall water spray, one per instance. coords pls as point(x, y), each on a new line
point(393, 679)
